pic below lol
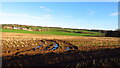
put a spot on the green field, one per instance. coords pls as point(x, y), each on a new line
point(54, 31)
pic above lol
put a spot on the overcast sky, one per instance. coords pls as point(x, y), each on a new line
point(83, 15)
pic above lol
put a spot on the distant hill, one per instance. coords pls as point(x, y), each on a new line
point(50, 30)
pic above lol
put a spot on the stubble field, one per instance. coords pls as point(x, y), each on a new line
point(18, 49)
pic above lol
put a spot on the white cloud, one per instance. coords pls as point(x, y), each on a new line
point(11, 18)
point(42, 7)
point(115, 14)
point(45, 8)
point(10, 14)
point(45, 17)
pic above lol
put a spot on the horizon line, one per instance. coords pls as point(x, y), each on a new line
point(66, 27)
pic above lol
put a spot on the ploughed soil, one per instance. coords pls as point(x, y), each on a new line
point(21, 50)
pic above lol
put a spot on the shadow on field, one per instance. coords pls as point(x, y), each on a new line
point(104, 58)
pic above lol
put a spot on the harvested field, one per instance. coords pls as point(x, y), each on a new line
point(20, 49)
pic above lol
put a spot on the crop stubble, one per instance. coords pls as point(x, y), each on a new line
point(15, 42)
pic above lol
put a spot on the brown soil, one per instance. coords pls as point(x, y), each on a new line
point(14, 46)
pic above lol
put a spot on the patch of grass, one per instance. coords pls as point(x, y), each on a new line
point(50, 32)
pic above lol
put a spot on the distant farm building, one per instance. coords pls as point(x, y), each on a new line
point(16, 28)
point(25, 29)
point(8, 27)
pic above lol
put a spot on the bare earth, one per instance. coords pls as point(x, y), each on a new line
point(11, 40)
point(14, 43)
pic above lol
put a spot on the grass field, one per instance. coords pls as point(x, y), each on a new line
point(54, 32)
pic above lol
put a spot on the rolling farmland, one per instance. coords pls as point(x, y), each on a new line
point(60, 34)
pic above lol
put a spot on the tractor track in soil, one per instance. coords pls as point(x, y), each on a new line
point(46, 45)
point(40, 50)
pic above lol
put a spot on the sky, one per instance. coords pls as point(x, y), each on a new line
point(59, 0)
point(82, 15)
